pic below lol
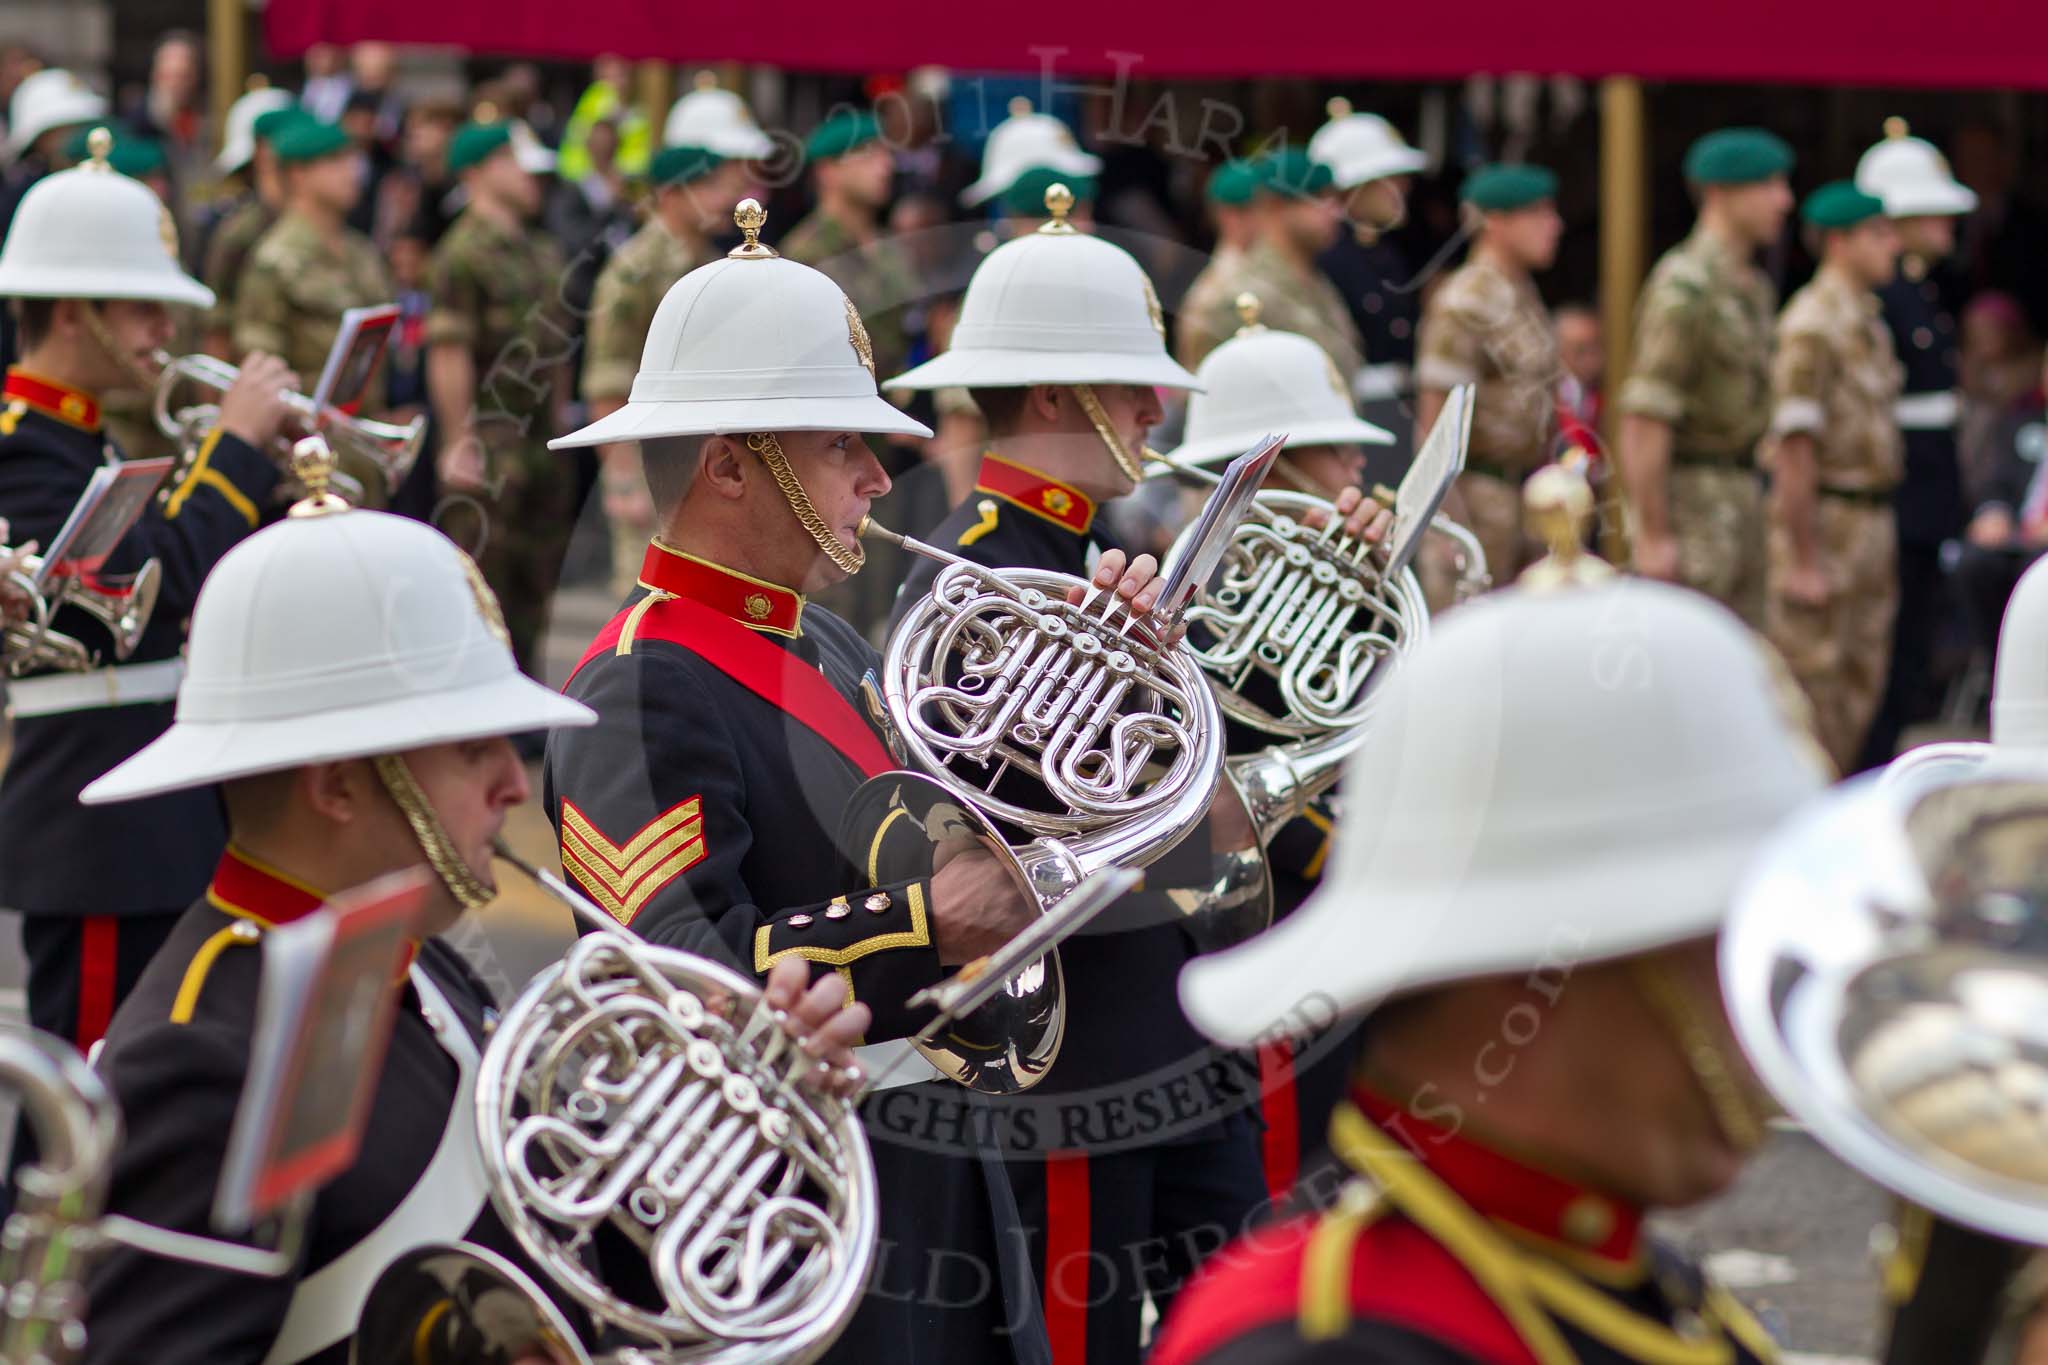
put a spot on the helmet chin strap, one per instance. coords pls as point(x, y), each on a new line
point(846, 558)
point(1099, 419)
point(468, 890)
point(96, 328)
point(1737, 1104)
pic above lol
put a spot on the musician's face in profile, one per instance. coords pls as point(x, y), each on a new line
point(1328, 469)
point(843, 478)
point(134, 328)
point(472, 786)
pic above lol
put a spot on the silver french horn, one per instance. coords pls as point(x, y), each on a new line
point(650, 1092)
point(1110, 735)
point(1300, 624)
point(1886, 969)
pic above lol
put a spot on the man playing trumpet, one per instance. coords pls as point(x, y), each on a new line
point(94, 277)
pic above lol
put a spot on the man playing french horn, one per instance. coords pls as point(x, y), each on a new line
point(1068, 405)
point(371, 740)
point(93, 281)
point(702, 808)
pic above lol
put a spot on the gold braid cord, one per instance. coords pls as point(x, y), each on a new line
point(1092, 405)
point(848, 558)
point(469, 892)
point(1733, 1102)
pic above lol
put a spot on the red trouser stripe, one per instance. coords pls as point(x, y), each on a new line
point(98, 964)
point(1282, 1140)
point(1066, 1256)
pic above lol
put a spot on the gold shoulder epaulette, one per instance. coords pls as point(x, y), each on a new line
point(988, 510)
point(242, 931)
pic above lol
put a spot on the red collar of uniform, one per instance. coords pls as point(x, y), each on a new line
point(248, 889)
point(1039, 494)
point(66, 404)
point(1581, 1223)
point(751, 601)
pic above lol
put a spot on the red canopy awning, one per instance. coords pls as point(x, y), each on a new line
point(1994, 43)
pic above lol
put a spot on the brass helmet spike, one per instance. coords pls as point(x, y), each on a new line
point(257, 81)
point(99, 145)
point(749, 217)
point(1895, 127)
point(485, 112)
point(704, 80)
point(1557, 505)
point(1338, 107)
point(313, 465)
point(1019, 106)
point(1059, 202)
point(1248, 308)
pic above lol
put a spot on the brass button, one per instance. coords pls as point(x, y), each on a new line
point(877, 903)
point(838, 909)
point(1587, 1221)
point(246, 931)
point(798, 921)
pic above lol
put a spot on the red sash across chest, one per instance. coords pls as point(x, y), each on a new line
point(771, 673)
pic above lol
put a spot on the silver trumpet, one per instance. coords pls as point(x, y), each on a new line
point(372, 457)
point(121, 604)
point(1079, 728)
point(653, 1092)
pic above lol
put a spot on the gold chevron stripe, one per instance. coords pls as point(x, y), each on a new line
point(623, 878)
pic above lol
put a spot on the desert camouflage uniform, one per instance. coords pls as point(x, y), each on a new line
point(1482, 327)
point(496, 292)
point(1289, 301)
point(226, 256)
point(629, 289)
point(1703, 367)
point(1835, 378)
point(294, 290)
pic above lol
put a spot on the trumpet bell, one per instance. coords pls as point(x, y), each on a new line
point(1886, 969)
point(1007, 1045)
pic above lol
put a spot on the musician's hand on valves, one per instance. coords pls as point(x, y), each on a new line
point(460, 465)
point(253, 409)
point(1365, 518)
point(824, 1025)
point(977, 907)
point(1137, 582)
point(14, 603)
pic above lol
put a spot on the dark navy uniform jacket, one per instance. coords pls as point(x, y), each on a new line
point(138, 857)
point(1923, 328)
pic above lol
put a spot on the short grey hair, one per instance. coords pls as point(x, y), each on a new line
point(670, 464)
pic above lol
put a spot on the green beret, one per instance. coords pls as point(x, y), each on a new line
point(1291, 171)
point(1234, 182)
point(1026, 195)
point(1501, 188)
point(132, 155)
point(681, 165)
point(271, 122)
point(1839, 204)
point(308, 140)
point(842, 133)
point(475, 141)
point(1737, 156)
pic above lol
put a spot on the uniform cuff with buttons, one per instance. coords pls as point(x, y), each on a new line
point(879, 941)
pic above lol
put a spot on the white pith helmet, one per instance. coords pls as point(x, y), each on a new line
point(1362, 147)
point(717, 120)
point(1911, 176)
point(406, 650)
point(238, 144)
point(753, 342)
point(1055, 306)
point(1026, 141)
point(1263, 381)
point(49, 99)
point(92, 233)
point(1556, 775)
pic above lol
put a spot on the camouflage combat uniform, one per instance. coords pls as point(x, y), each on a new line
point(629, 289)
point(1289, 301)
point(496, 293)
point(1482, 327)
point(226, 256)
point(294, 290)
point(1703, 367)
point(1835, 377)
